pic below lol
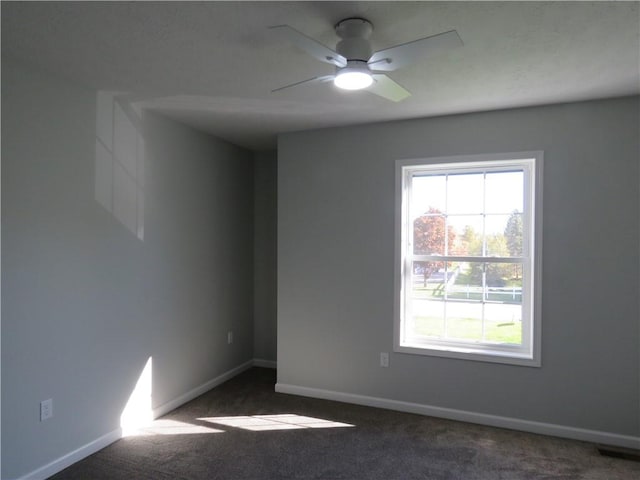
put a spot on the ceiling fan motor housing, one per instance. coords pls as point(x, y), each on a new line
point(355, 44)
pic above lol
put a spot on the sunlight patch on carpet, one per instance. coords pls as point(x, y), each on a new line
point(285, 421)
point(172, 427)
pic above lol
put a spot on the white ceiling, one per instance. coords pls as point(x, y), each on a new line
point(213, 65)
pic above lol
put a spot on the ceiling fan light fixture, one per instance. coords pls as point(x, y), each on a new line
point(355, 76)
point(353, 80)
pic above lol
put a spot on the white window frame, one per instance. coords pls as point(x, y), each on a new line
point(529, 353)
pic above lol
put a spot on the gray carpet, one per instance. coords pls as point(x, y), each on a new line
point(381, 444)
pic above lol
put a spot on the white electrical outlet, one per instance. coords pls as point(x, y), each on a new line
point(46, 409)
point(229, 337)
point(384, 359)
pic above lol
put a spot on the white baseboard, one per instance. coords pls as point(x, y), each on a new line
point(72, 457)
point(594, 436)
point(196, 392)
point(107, 439)
point(260, 362)
point(205, 387)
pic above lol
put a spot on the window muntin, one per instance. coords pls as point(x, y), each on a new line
point(466, 258)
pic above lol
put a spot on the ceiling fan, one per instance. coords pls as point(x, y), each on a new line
point(357, 66)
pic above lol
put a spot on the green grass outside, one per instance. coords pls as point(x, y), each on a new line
point(469, 329)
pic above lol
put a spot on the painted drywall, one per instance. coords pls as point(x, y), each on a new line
point(94, 285)
point(335, 265)
point(265, 255)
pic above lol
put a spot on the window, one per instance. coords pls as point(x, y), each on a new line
point(468, 257)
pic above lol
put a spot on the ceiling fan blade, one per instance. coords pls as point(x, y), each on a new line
point(396, 57)
point(309, 45)
point(384, 87)
point(322, 79)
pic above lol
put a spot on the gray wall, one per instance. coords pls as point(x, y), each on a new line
point(264, 255)
point(85, 302)
point(335, 265)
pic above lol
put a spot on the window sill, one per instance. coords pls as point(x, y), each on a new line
point(475, 354)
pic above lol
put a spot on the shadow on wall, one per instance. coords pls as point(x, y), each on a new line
point(119, 164)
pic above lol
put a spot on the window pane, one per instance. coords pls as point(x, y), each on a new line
point(496, 242)
point(495, 224)
point(504, 192)
point(503, 323)
point(496, 245)
point(427, 276)
point(496, 276)
point(429, 235)
point(467, 234)
point(504, 282)
point(427, 306)
point(431, 279)
point(465, 193)
point(428, 193)
point(465, 281)
point(503, 315)
point(427, 318)
point(513, 232)
point(464, 321)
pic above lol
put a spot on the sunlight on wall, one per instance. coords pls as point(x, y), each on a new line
point(119, 163)
point(138, 412)
point(285, 421)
